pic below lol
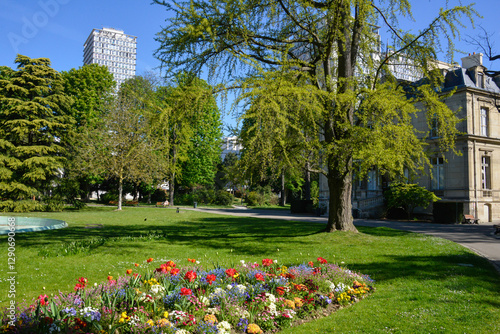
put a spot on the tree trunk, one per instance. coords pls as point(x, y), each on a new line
point(283, 190)
point(171, 185)
point(120, 191)
point(340, 210)
point(307, 184)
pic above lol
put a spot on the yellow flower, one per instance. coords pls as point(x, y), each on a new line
point(150, 323)
point(163, 322)
point(254, 329)
point(165, 315)
point(210, 318)
point(298, 302)
point(289, 303)
point(124, 317)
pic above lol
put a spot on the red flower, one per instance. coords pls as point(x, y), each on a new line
point(174, 271)
point(321, 260)
point(192, 260)
point(231, 272)
point(280, 290)
point(211, 278)
point(259, 277)
point(43, 299)
point(185, 292)
point(110, 278)
point(149, 260)
point(310, 263)
point(136, 274)
point(170, 264)
point(267, 262)
point(136, 264)
point(83, 281)
point(190, 276)
point(316, 270)
point(129, 271)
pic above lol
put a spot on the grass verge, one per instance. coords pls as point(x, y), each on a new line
point(424, 284)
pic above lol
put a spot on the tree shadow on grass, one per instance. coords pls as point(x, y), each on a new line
point(454, 272)
point(214, 233)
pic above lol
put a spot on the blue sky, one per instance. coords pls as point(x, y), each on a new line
point(57, 29)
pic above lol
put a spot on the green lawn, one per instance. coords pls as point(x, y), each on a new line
point(423, 284)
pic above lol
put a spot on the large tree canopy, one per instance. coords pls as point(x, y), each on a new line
point(91, 87)
point(314, 67)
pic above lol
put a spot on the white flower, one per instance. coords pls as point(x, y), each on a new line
point(331, 286)
point(275, 261)
point(204, 300)
point(157, 289)
point(240, 288)
point(182, 331)
point(272, 307)
point(229, 287)
point(224, 327)
point(212, 310)
point(270, 297)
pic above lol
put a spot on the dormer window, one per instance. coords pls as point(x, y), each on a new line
point(480, 80)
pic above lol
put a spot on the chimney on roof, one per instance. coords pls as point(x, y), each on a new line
point(472, 60)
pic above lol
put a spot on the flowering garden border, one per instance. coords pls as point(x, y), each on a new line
point(247, 298)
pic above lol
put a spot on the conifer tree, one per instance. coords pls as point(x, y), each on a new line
point(33, 128)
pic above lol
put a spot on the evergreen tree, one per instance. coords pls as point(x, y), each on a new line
point(34, 126)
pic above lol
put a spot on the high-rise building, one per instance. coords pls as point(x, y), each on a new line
point(114, 49)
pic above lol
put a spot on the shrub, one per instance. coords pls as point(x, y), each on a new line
point(408, 197)
point(255, 199)
point(53, 205)
point(108, 197)
point(222, 197)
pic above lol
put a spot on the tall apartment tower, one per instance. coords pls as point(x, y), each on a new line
point(114, 49)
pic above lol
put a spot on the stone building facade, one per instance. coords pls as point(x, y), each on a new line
point(468, 183)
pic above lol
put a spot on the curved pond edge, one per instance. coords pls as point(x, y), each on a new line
point(28, 224)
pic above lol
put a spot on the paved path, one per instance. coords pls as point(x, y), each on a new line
point(479, 238)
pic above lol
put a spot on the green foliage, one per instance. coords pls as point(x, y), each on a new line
point(222, 197)
point(53, 204)
point(121, 147)
point(298, 65)
point(261, 196)
point(204, 150)
point(408, 197)
point(34, 125)
point(20, 206)
point(91, 87)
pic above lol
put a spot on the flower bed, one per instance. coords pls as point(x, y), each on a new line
point(248, 298)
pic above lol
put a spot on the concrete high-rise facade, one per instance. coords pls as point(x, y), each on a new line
point(114, 49)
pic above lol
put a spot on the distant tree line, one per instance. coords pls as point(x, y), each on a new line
point(65, 135)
